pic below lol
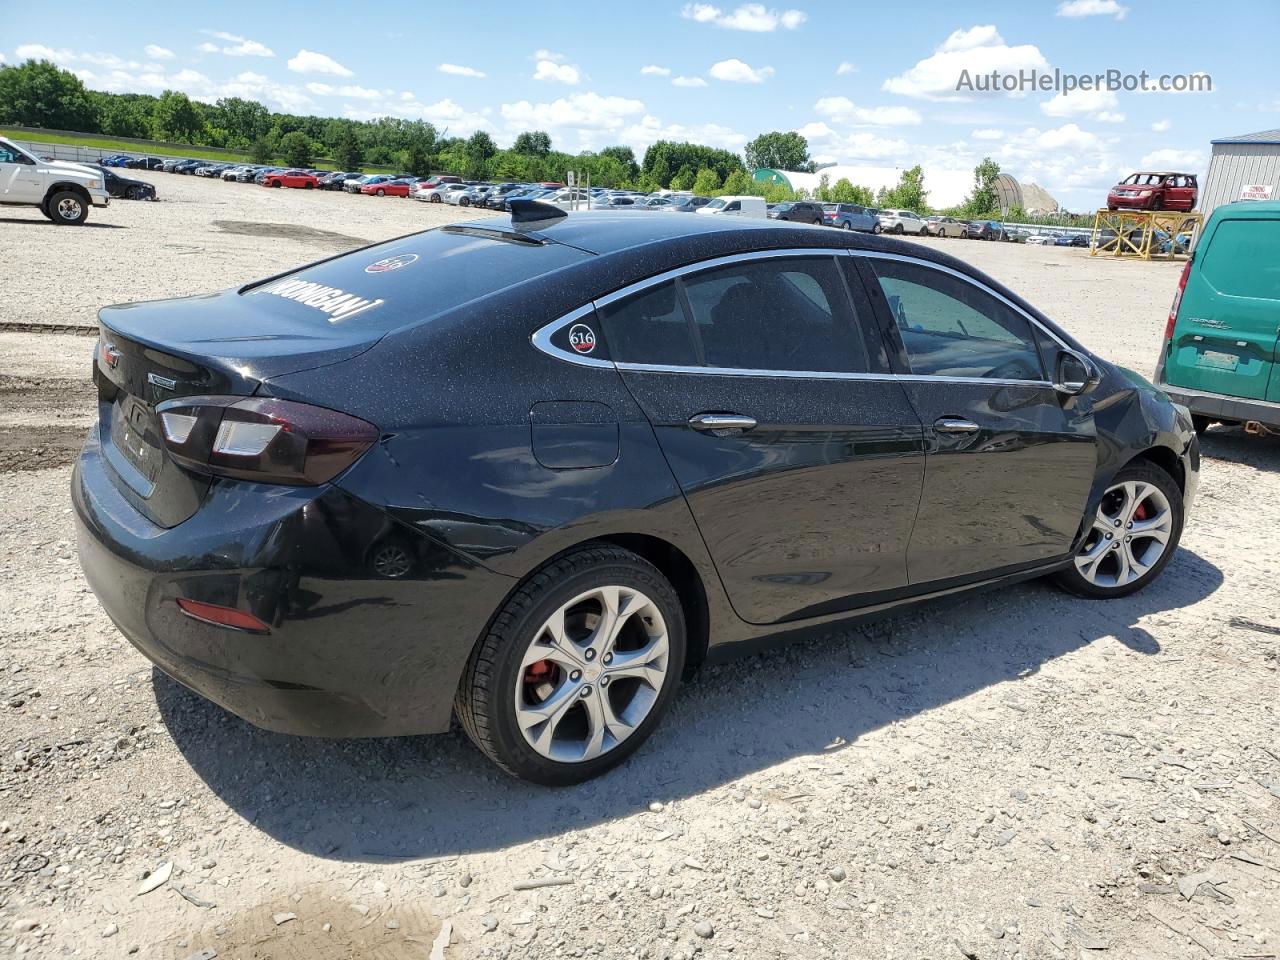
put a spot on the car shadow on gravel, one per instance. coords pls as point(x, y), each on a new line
point(1236, 446)
point(42, 222)
point(416, 797)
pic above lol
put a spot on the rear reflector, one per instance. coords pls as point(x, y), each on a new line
point(222, 616)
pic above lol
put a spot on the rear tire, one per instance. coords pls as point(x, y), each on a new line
point(67, 209)
point(1134, 534)
point(876, 228)
point(547, 711)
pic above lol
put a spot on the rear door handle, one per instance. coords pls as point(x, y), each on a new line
point(713, 422)
point(955, 425)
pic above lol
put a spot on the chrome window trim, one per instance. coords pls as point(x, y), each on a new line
point(542, 339)
point(542, 336)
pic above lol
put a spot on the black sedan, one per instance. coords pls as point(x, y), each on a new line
point(531, 468)
point(124, 188)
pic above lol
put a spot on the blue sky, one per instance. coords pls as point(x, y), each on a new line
point(870, 85)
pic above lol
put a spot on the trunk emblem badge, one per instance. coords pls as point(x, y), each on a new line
point(158, 381)
point(110, 355)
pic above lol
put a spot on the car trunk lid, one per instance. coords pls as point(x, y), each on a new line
point(220, 345)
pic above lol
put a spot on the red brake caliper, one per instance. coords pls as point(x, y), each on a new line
point(1141, 512)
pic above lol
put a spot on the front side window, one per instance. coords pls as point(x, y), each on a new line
point(951, 328)
point(733, 207)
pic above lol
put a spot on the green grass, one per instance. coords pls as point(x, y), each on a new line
point(124, 146)
point(153, 150)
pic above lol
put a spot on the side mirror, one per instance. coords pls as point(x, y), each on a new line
point(1074, 374)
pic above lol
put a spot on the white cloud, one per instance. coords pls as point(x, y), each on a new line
point(845, 69)
point(1160, 126)
point(152, 79)
point(1092, 8)
point(650, 128)
point(987, 133)
point(351, 91)
point(1109, 116)
point(653, 70)
point(460, 71)
point(845, 112)
point(1, 58)
point(238, 46)
point(158, 53)
point(446, 114)
point(978, 50)
point(581, 113)
point(308, 61)
point(1100, 104)
point(64, 57)
point(551, 67)
point(1169, 159)
point(734, 70)
point(688, 82)
point(752, 17)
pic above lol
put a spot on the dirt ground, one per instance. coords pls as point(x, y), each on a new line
point(1014, 775)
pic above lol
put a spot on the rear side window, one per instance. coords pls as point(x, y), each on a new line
point(792, 313)
point(787, 314)
point(1242, 259)
point(951, 328)
point(650, 327)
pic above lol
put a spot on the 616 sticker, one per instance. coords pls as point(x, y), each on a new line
point(582, 338)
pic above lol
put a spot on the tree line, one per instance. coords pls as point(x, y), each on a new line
point(38, 93)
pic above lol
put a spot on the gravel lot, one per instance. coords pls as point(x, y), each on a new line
point(1020, 774)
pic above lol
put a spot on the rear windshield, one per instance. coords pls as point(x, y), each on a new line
point(409, 280)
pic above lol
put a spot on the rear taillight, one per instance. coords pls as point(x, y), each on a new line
point(263, 439)
point(1177, 302)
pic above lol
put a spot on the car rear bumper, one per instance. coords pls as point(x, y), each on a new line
point(1217, 406)
point(348, 654)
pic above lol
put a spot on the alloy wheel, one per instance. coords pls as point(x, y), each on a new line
point(69, 208)
point(1130, 534)
point(592, 674)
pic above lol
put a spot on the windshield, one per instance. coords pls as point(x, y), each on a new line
point(715, 204)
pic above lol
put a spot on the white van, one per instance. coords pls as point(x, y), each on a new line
point(736, 207)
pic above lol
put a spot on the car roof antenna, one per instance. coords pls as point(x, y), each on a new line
point(533, 214)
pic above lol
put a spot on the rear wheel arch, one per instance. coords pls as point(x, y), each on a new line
point(672, 562)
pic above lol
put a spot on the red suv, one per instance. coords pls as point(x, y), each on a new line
point(1155, 191)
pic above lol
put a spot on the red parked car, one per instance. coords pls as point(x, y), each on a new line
point(1155, 191)
point(388, 188)
point(292, 178)
point(436, 179)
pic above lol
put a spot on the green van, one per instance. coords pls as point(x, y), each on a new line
point(1220, 352)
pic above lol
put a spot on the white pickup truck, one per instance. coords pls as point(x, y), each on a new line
point(63, 191)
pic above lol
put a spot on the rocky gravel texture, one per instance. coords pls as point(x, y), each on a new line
point(1020, 774)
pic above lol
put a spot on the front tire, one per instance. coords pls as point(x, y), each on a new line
point(877, 229)
point(67, 209)
point(576, 669)
point(1134, 534)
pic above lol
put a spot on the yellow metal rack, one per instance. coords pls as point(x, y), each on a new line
point(1145, 234)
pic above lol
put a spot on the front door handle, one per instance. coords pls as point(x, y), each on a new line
point(717, 422)
point(955, 425)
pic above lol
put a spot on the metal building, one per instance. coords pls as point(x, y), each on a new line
point(1242, 168)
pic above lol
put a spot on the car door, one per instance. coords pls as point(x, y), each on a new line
point(19, 181)
point(799, 456)
point(1009, 461)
